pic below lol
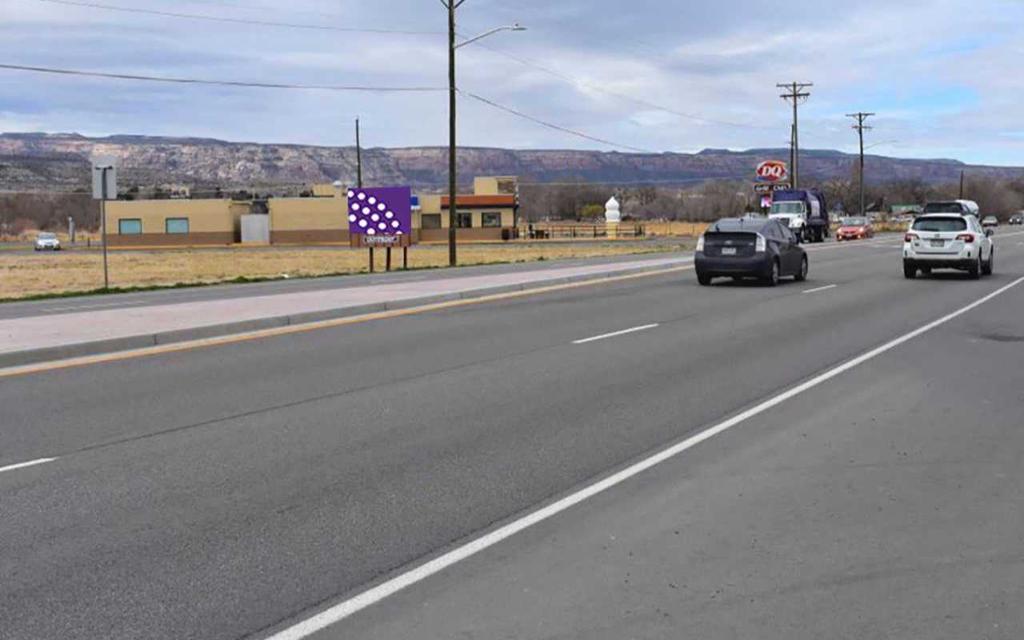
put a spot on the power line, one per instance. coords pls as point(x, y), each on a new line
point(245, 21)
point(572, 132)
point(222, 83)
point(622, 96)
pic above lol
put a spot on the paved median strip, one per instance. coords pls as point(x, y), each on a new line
point(347, 608)
point(312, 323)
point(615, 334)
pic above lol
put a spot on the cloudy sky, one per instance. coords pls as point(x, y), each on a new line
point(944, 76)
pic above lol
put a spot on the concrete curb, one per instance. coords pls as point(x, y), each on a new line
point(64, 352)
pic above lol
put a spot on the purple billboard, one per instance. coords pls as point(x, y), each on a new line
point(380, 211)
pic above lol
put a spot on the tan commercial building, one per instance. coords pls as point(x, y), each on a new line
point(487, 214)
point(308, 220)
point(173, 222)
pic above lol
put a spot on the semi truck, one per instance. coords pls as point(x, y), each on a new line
point(804, 211)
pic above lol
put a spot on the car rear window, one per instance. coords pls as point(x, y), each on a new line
point(943, 207)
point(940, 224)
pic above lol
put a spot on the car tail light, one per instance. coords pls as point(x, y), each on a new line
point(700, 243)
point(762, 244)
point(968, 238)
point(910, 237)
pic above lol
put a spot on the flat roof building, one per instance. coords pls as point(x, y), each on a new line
point(489, 213)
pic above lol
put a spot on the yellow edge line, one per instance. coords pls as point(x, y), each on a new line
point(313, 326)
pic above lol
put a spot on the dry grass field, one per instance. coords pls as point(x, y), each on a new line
point(26, 274)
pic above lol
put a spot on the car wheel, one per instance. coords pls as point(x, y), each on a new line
point(909, 271)
point(773, 277)
point(988, 267)
point(802, 274)
point(974, 271)
point(703, 279)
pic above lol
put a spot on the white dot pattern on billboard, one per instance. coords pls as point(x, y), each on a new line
point(380, 211)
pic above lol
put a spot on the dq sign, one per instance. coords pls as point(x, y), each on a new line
point(380, 212)
point(772, 171)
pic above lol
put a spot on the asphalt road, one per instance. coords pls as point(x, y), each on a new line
point(229, 492)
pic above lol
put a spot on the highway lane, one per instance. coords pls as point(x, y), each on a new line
point(86, 408)
point(218, 492)
point(885, 504)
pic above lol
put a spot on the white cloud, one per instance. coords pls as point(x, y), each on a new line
point(942, 74)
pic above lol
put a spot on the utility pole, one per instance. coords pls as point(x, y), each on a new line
point(359, 158)
point(792, 150)
point(797, 94)
point(860, 127)
point(961, 185)
point(451, 5)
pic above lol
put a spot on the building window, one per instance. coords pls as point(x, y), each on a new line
point(507, 187)
point(431, 220)
point(176, 225)
point(492, 219)
point(463, 220)
point(129, 226)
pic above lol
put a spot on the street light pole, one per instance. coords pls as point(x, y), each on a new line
point(451, 6)
point(452, 178)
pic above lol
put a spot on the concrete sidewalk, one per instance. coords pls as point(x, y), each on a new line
point(27, 340)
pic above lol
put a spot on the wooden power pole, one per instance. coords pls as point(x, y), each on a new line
point(861, 117)
point(796, 93)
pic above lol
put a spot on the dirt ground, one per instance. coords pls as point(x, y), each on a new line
point(25, 274)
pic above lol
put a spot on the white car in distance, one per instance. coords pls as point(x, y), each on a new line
point(47, 242)
point(948, 241)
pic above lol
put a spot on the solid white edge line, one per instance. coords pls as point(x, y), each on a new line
point(831, 286)
point(374, 595)
point(22, 465)
point(615, 334)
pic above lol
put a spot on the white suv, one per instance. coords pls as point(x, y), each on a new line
point(948, 241)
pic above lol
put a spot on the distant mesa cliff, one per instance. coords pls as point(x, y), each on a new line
point(60, 162)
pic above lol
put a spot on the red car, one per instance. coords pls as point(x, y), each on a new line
point(855, 229)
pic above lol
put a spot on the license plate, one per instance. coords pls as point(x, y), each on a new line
point(728, 251)
point(938, 243)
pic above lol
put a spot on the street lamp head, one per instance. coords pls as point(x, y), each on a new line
point(510, 27)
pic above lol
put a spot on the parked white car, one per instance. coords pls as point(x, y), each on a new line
point(948, 241)
point(47, 242)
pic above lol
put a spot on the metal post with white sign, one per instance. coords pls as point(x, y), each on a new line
point(104, 183)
